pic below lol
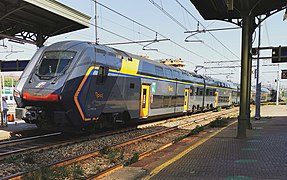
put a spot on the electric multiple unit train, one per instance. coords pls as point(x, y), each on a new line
point(82, 85)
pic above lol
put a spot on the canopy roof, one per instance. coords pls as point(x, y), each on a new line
point(218, 9)
point(46, 18)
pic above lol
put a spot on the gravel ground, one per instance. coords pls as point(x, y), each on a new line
point(93, 165)
point(33, 160)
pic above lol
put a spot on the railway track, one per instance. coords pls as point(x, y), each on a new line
point(195, 121)
point(24, 144)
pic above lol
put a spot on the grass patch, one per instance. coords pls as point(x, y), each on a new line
point(63, 172)
point(105, 150)
point(28, 159)
point(76, 172)
point(179, 139)
point(218, 109)
point(219, 122)
point(133, 159)
point(195, 131)
point(11, 159)
point(112, 156)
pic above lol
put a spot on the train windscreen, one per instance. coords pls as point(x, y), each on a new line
point(55, 63)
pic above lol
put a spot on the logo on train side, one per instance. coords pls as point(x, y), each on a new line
point(170, 89)
point(40, 85)
point(99, 95)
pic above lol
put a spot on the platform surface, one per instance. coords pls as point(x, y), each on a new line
point(262, 155)
point(15, 127)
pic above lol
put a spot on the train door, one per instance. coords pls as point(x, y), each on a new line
point(216, 99)
point(186, 97)
point(145, 98)
point(230, 99)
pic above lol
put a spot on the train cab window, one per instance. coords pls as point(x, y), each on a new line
point(54, 63)
point(102, 75)
point(101, 51)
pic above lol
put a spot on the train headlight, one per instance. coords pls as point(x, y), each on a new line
point(16, 94)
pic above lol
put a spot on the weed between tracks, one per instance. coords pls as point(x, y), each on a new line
point(71, 172)
point(219, 122)
point(195, 131)
point(133, 159)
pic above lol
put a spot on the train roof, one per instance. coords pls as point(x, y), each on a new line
point(151, 67)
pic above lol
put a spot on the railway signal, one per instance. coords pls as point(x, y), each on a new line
point(279, 54)
point(284, 74)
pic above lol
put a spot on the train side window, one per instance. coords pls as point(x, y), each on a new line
point(102, 74)
point(168, 73)
point(132, 85)
point(159, 71)
point(192, 89)
point(176, 74)
point(207, 92)
point(201, 91)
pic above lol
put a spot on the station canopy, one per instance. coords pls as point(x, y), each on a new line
point(233, 9)
point(34, 21)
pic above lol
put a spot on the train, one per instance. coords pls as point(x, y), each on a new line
point(265, 95)
point(85, 86)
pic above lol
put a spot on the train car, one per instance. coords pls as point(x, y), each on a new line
point(265, 95)
point(81, 85)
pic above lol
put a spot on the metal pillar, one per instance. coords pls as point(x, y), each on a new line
point(242, 118)
point(258, 85)
point(278, 85)
point(248, 111)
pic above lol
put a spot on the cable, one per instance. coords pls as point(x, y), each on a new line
point(166, 13)
point(205, 28)
point(149, 29)
point(177, 44)
point(129, 39)
point(170, 16)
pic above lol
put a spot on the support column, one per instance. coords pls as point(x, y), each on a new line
point(242, 118)
point(248, 110)
point(40, 40)
point(258, 84)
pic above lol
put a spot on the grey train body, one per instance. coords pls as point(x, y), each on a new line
point(78, 85)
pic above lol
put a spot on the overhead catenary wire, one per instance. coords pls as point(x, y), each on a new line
point(181, 25)
point(129, 39)
point(166, 13)
point(148, 28)
point(205, 28)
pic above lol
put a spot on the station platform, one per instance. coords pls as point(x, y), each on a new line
point(15, 127)
point(218, 154)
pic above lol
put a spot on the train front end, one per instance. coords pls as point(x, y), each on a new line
point(46, 88)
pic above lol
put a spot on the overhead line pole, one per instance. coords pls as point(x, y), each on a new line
point(258, 85)
point(96, 22)
point(278, 84)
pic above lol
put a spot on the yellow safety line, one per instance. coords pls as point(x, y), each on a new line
point(174, 159)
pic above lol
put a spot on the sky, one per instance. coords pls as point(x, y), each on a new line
point(215, 46)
